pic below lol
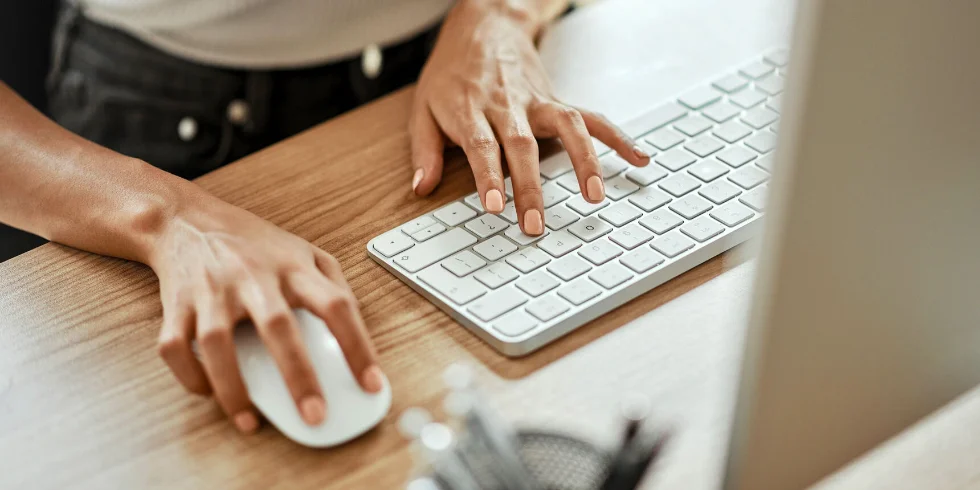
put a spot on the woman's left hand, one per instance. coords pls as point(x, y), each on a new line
point(484, 88)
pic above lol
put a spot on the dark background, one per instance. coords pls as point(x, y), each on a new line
point(25, 52)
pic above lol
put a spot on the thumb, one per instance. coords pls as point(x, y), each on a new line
point(428, 145)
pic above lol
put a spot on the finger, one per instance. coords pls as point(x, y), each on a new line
point(614, 137)
point(338, 309)
point(216, 322)
point(472, 132)
point(568, 124)
point(330, 267)
point(428, 146)
point(276, 325)
point(175, 348)
point(521, 150)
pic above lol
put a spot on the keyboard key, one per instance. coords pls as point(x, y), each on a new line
point(514, 233)
point(772, 85)
point(556, 165)
point(510, 212)
point(642, 259)
point(496, 275)
point(559, 243)
point(661, 116)
point(579, 291)
point(552, 193)
point(708, 170)
point(749, 177)
point(732, 213)
point(392, 243)
point(611, 275)
point(679, 184)
point(546, 308)
point(778, 57)
point(649, 198)
point(435, 249)
point(675, 159)
point(486, 225)
point(418, 224)
point(612, 164)
point(702, 229)
point(736, 156)
point(646, 175)
point(537, 283)
point(731, 83)
point(569, 182)
point(690, 207)
point(528, 259)
point(473, 201)
point(672, 244)
point(700, 97)
point(664, 139)
point(721, 112)
point(559, 217)
point(756, 198)
point(661, 221)
point(762, 142)
point(631, 236)
point(759, 117)
point(775, 103)
point(747, 98)
point(515, 323)
point(583, 207)
point(600, 147)
point(774, 127)
point(423, 235)
point(497, 303)
point(463, 263)
point(757, 69)
point(692, 125)
point(570, 267)
point(719, 192)
point(454, 214)
point(600, 252)
point(495, 248)
point(618, 187)
point(459, 290)
point(765, 163)
point(509, 187)
point(620, 213)
point(590, 228)
point(732, 131)
point(704, 145)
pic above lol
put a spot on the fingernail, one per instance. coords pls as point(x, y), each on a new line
point(372, 379)
point(313, 409)
point(418, 178)
point(595, 189)
point(642, 155)
point(246, 422)
point(532, 222)
point(495, 201)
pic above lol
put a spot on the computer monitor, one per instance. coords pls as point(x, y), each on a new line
point(866, 315)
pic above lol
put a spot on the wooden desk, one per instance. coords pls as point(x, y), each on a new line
point(86, 403)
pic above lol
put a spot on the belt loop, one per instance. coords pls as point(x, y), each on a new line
point(64, 33)
point(258, 92)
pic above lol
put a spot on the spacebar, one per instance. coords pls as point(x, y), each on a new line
point(434, 250)
point(661, 115)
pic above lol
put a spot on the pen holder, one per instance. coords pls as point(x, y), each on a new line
point(557, 462)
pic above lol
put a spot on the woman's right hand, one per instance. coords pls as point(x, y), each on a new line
point(219, 265)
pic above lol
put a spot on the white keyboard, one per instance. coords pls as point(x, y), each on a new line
point(703, 193)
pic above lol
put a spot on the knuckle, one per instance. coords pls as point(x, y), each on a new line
point(480, 143)
point(278, 323)
point(528, 189)
point(521, 141)
point(170, 344)
point(330, 261)
point(216, 337)
point(569, 115)
point(338, 303)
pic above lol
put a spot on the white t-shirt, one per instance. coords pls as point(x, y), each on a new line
point(267, 33)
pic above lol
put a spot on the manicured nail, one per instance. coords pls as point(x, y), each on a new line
point(313, 409)
point(418, 178)
point(642, 155)
point(372, 379)
point(594, 189)
point(495, 201)
point(532, 222)
point(246, 422)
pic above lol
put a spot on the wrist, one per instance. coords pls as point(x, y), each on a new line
point(527, 15)
point(152, 216)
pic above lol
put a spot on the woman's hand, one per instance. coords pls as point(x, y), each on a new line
point(484, 88)
point(219, 265)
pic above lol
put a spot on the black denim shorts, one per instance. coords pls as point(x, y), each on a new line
point(188, 118)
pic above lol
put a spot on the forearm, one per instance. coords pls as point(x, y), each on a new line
point(62, 187)
point(533, 15)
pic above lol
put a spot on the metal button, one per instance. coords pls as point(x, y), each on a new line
point(187, 128)
point(371, 61)
point(239, 112)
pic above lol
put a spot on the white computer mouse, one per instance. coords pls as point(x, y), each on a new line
point(350, 410)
